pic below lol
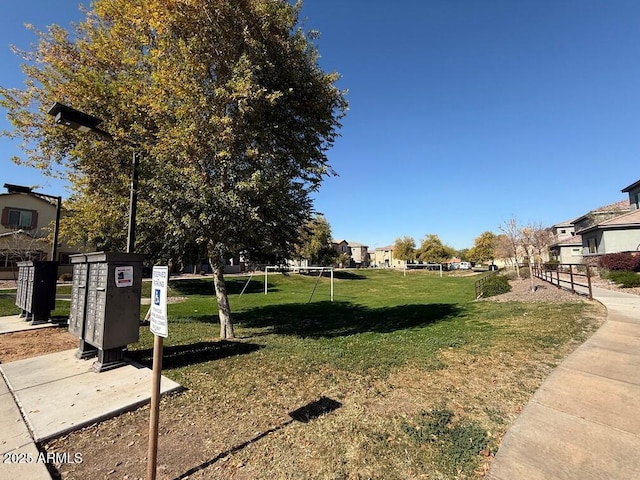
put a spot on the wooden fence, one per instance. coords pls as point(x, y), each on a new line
point(481, 281)
point(575, 277)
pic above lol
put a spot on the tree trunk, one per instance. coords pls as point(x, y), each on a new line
point(224, 310)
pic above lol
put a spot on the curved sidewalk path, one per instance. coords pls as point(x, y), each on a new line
point(583, 423)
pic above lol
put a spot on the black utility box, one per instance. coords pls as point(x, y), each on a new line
point(36, 293)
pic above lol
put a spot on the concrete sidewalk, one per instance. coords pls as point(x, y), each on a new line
point(583, 423)
point(15, 323)
point(44, 397)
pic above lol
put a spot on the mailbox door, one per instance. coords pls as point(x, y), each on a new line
point(78, 299)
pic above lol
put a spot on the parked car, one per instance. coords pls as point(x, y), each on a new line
point(464, 266)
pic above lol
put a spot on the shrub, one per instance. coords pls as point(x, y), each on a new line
point(496, 285)
point(458, 444)
point(625, 279)
point(620, 262)
point(552, 264)
point(510, 274)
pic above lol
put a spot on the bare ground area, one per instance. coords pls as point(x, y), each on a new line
point(226, 440)
point(32, 343)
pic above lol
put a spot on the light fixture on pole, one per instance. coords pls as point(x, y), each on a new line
point(83, 122)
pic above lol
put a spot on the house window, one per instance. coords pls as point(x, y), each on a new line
point(19, 218)
point(576, 252)
point(563, 231)
point(591, 243)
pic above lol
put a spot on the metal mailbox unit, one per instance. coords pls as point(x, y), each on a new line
point(36, 293)
point(105, 305)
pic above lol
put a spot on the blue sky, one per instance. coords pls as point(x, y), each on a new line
point(463, 114)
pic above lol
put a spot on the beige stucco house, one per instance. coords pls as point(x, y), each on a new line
point(384, 258)
point(26, 232)
point(357, 251)
point(614, 228)
point(567, 245)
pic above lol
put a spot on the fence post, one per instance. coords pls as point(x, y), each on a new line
point(589, 282)
point(571, 277)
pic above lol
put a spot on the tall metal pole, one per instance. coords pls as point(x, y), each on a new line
point(133, 202)
point(56, 228)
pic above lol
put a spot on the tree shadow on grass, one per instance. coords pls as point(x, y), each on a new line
point(337, 274)
point(337, 319)
point(193, 286)
point(176, 356)
point(304, 414)
point(204, 286)
point(343, 275)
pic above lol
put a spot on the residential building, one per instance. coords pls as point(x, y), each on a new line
point(566, 246)
point(384, 258)
point(356, 251)
point(26, 228)
point(359, 254)
point(614, 228)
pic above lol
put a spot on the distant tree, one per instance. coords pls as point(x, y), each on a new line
point(503, 249)
point(511, 241)
point(343, 259)
point(462, 254)
point(315, 242)
point(19, 245)
point(536, 240)
point(404, 248)
point(484, 248)
point(432, 250)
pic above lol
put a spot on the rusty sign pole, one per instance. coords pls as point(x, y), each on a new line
point(159, 327)
point(154, 416)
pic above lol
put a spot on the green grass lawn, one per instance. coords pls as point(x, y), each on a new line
point(390, 353)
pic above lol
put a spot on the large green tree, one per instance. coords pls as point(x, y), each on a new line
point(404, 248)
point(315, 242)
point(484, 248)
point(432, 250)
point(227, 104)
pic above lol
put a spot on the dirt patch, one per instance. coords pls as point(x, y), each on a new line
point(32, 343)
point(524, 290)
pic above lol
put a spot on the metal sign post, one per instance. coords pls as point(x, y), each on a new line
point(159, 327)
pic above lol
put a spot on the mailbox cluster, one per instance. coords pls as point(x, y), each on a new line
point(105, 305)
point(36, 293)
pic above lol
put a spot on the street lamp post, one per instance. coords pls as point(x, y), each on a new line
point(83, 122)
point(119, 312)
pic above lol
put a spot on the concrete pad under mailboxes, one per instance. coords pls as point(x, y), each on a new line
point(34, 371)
point(15, 323)
point(54, 404)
